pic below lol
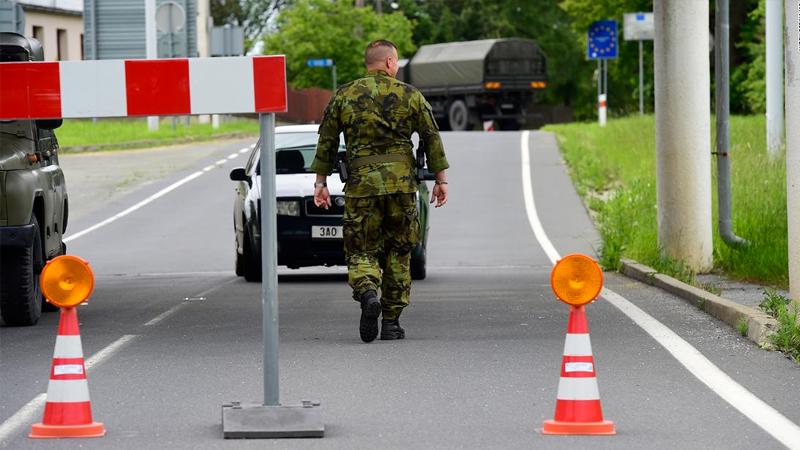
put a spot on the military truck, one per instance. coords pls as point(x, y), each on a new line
point(470, 82)
point(33, 200)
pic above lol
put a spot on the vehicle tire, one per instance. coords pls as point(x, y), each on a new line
point(240, 263)
point(252, 265)
point(418, 265)
point(458, 116)
point(20, 293)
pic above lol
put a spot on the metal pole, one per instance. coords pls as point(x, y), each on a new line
point(774, 69)
point(333, 67)
point(683, 125)
point(151, 43)
point(269, 260)
point(599, 89)
point(722, 94)
point(641, 77)
point(793, 143)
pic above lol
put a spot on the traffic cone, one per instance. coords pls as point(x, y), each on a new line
point(578, 409)
point(68, 411)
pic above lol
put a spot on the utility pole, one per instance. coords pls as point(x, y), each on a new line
point(793, 143)
point(774, 69)
point(683, 127)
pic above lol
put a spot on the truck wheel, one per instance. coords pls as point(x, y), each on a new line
point(20, 294)
point(458, 116)
point(418, 265)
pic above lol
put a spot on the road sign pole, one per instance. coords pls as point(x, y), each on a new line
point(151, 44)
point(641, 77)
point(270, 419)
point(269, 263)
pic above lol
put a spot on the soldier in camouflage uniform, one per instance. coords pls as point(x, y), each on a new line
point(378, 114)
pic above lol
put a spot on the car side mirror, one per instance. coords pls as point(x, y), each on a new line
point(239, 174)
point(49, 124)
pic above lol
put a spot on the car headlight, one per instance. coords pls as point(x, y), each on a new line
point(288, 208)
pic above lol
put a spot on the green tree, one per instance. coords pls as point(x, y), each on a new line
point(323, 29)
point(748, 79)
point(252, 15)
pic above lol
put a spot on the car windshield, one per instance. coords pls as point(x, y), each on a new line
point(294, 152)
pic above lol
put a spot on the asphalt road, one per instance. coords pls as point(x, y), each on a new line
point(479, 368)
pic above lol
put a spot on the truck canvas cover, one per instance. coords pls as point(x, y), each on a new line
point(465, 63)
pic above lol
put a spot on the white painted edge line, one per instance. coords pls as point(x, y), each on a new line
point(221, 162)
point(752, 407)
point(133, 208)
point(233, 156)
point(26, 414)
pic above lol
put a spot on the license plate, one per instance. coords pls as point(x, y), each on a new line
point(326, 232)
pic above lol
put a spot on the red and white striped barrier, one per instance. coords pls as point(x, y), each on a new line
point(578, 409)
point(68, 411)
point(119, 88)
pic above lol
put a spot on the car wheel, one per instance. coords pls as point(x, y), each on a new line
point(418, 264)
point(20, 293)
point(239, 257)
point(252, 264)
point(458, 116)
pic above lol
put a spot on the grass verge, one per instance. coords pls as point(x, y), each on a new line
point(787, 336)
point(614, 170)
point(108, 134)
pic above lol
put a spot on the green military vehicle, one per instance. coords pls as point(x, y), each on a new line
point(33, 200)
point(469, 82)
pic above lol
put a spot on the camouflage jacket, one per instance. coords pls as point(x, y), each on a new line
point(378, 114)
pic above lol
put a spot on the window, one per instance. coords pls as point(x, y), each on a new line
point(38, 34)
point(61, 38)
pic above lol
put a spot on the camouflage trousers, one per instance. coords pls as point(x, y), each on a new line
point(379, 234)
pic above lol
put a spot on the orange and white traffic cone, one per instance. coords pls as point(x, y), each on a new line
point(578, 409)
point(68, 411)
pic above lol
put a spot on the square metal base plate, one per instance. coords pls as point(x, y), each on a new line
point(255, 421)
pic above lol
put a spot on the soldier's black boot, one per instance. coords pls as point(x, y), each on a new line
point(370, 311)
point(391, 330)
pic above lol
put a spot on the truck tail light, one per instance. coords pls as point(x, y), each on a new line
point(492, 85)
point(538, 84)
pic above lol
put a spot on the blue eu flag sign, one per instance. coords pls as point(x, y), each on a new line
point(602, 40)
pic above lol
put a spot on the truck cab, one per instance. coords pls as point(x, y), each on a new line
point(33, 200)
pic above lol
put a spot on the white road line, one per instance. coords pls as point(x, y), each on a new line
point(221, 162)
point(133, 208)
point(233, 156)
point(244, 150)
point(752, 407)
point(165, 314)
point(25, 416)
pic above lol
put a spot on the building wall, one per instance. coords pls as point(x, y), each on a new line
point(51, 23)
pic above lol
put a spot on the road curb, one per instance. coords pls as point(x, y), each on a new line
point(155, 142)
point(760, 326)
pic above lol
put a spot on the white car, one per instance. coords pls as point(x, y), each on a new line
point(307, 235)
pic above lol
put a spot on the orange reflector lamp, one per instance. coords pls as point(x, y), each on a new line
point(538, 84)
point(576, 279)
point(492, 85)
point(67, 281)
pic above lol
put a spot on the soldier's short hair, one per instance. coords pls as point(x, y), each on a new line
point(377, 51)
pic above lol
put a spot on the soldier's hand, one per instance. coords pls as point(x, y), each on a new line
point(439, 194)
point(322, 198)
